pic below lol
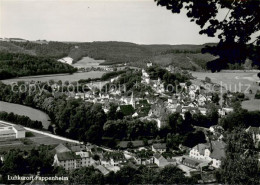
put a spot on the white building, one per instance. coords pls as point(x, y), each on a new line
point(149, 64)
point(11, 132)
point(159, 147)
point(213, 151)
point(73, 160)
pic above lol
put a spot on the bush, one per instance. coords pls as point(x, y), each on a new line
point(257, 95)
point(208, 80)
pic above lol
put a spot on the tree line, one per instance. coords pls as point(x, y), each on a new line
point(16, 65)
point(20, 120)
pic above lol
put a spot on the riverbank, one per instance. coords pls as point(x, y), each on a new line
point(33, 114)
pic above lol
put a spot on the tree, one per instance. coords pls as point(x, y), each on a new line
point(215, 98)
point(240, 165)
point(86, 175)
point(208, 80)
point(235, 31)
point(130, 145)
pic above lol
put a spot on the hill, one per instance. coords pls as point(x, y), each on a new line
point(184, 56)
point(15, 65)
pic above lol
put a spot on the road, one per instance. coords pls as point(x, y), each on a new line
point(45, 133)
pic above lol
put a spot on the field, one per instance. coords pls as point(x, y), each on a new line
point(251, 105)
point(88, 62)
point(28, 143)
point(32, 113)
point(63, 77)
point(236, 81)
point(232, 80)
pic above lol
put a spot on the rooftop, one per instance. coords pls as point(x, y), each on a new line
point(61, 148)
point(67, 156)
point(18, 128)
point(159, 146)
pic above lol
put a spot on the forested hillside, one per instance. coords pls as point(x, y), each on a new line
point(14, 65)
point(183, 56)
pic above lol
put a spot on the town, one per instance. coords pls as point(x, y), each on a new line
point(130, 92)
point(198, 151)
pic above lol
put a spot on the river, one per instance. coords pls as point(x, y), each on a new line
point(33, 114)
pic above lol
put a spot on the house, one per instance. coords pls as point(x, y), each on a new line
point(226, 111)
point(102, 169)
point(216, 129)
point(61, 149)
point(145, 77)
point(190, 162)
point(72, 160)
point(124, 144)
point(213, 151)
point(203, 111)
point(141, 160)
point(149, 64)
point(192, 94)
point(80, 95)
point(170, 68)
point(255, 131)
point(201, 100)
point(113, 159)
point(161, 161)
point(129, 101)
point(67, 160)
point(159, 147)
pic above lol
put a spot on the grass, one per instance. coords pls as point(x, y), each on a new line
point(63, 77)
point(28, 143)
point(233, 81)
point(251, 105)
point(39, 139)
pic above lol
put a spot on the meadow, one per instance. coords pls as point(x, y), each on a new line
point(236, 81)
point(87, 62)
point(233, 81)
point(63, 77)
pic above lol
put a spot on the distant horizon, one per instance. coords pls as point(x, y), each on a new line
point(140, 22)
point(101, 41)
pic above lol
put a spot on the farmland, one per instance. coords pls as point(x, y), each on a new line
point(63, 77)
point(236, 81)
point(232, 80)
point(87, 62)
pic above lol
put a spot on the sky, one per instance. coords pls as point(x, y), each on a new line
point(138, 21)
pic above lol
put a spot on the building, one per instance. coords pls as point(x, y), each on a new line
point(255, 131)
point(11, 132)
point(112, 159)
point(159, 147)
point(67, 160)
point(71, 160)
point(213, 151)
point(72, 157)
point(161, 161)
point(61, 148)
point(102, 169)
point(149, 64)
point(191, 162)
